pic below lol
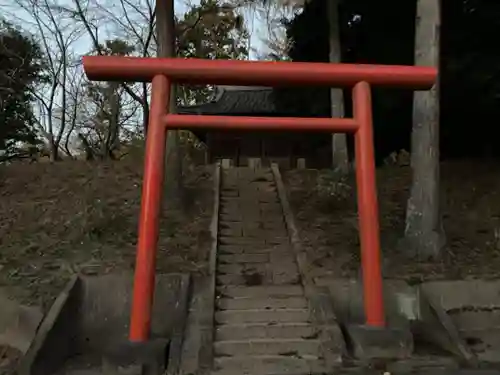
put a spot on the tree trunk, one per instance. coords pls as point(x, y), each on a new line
point(165, 31)
point(53, 149)
point(89, 153)
point(424, 235)
point(111, 139)
point(339, 145)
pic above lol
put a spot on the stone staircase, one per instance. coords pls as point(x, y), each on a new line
point(263, 324)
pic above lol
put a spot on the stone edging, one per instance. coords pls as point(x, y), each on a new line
point(46, 328)
point(214, 225)
point(177, 337)
point(207, 325)
point(442, 323)
point(292, 230)
point(320, 302)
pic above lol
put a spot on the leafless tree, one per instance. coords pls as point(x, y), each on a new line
point(270, 13)
point(75, 108)
point(57, 35)
point(130, 20)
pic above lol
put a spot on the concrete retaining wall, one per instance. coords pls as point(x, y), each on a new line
point(92, 314)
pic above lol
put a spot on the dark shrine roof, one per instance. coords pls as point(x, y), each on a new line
point(235, 100)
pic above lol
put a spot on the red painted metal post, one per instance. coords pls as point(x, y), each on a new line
point(368, 206)
point(144, 279)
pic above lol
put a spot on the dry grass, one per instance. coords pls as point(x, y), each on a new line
point(470, 200)
point(73, 216)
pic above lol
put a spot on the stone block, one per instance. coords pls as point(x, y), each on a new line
point(301, 163)
point(148, 358)
point(380, 342)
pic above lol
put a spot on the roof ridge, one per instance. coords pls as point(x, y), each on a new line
point(234, 101)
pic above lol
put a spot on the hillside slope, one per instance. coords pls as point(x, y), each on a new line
point(74, 216)
point(470, 203)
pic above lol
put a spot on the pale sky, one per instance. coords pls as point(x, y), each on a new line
point(12, 11)
point(255, 26)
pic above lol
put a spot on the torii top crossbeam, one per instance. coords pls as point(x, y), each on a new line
point(256, 73)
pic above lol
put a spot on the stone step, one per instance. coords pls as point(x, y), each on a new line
point(278, 265)
point(251, 203)
point(245, 187)
point(261, 303)
point(249, 215)
point(252, 278)
point(243, 184)
point(270, 222)
point(244, 258)
point(232, 195)
point(268, 365)
point(252, 189)
point(279, 261)
point(257, 208)
point(252, 186)
point(285, 347)
point(235, 218)
point(224, 240)
point(252, 249)
point(251, 228)
point(254, 233)
point(277, 291)
point(239, 268)
point(264, 330)
point(246, 198)
point(249, 200)
point(240, 217)
point(268, 233)
point(262, 316)
point(248, 226)
point(257, 241)
point(229, 191)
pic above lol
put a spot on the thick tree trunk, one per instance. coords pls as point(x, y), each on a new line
point(165, 31)
point(339, 145)
point(53, 149)
point(424, 235)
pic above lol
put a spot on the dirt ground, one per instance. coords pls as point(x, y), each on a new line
point(470, 196)
point(74, 216)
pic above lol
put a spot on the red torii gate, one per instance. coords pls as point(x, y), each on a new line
point(162, 72)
